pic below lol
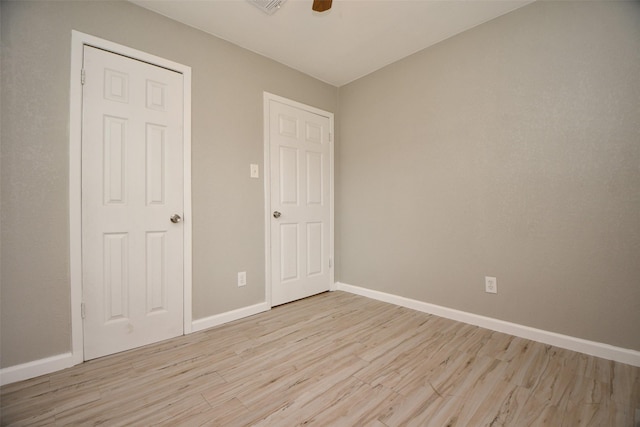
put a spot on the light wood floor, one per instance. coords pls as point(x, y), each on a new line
point(334, 360)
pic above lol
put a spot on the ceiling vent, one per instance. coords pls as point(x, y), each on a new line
point(267, 6)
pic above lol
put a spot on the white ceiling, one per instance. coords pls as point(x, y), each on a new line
point(353, 39)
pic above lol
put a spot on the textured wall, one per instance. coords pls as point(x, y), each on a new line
point(511, 150)
point(227, 135)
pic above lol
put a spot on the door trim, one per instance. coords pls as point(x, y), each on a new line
point(78, 41)
point(268, 97)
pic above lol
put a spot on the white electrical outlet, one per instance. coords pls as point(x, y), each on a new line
point(242, 278)
point(491, 285)
point(255, 171)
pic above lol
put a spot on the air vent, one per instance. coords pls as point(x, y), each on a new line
point(267, 6)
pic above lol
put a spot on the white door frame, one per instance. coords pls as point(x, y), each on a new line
point(78, 41)
point(267, 188)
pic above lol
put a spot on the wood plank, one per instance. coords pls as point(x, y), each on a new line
point(334, 359)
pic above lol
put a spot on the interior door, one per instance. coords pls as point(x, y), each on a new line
point(132, 203)
point(300, 187)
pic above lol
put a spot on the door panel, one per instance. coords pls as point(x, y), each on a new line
point(155, 163)
point(288, 176)
point(300, 190)
point(115, 140)
point(289, 249)
point(315, 178)
point(315, 248)
point(156, 253)
point(132, 183)
point(116, 276)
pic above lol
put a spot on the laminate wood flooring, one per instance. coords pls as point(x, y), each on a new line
point(335, 359)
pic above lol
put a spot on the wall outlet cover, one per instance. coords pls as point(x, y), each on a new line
point(242, 278)
point(491, 285)
point(255, 171)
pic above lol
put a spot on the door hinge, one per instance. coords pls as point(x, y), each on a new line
point(82, 76)
point(83, 311)
point(330, 137)
point(330, 263)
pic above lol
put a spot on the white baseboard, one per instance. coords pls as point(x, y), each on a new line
point(51, 364)
point(229, 316)
point(605, 351)
point(631, 357)
point(36, 368)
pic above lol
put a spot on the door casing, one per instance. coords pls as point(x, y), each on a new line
point(267, 187)
point(78, 41)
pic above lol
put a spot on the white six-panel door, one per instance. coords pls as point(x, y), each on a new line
point(132, 185)
point(300, 165)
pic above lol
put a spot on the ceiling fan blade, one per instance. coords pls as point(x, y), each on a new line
point(321, 5)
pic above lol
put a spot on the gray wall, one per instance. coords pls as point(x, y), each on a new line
point(228, 224)
point(510, 150)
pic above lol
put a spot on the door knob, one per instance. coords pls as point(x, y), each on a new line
point(276, 214)
point(175, 219)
